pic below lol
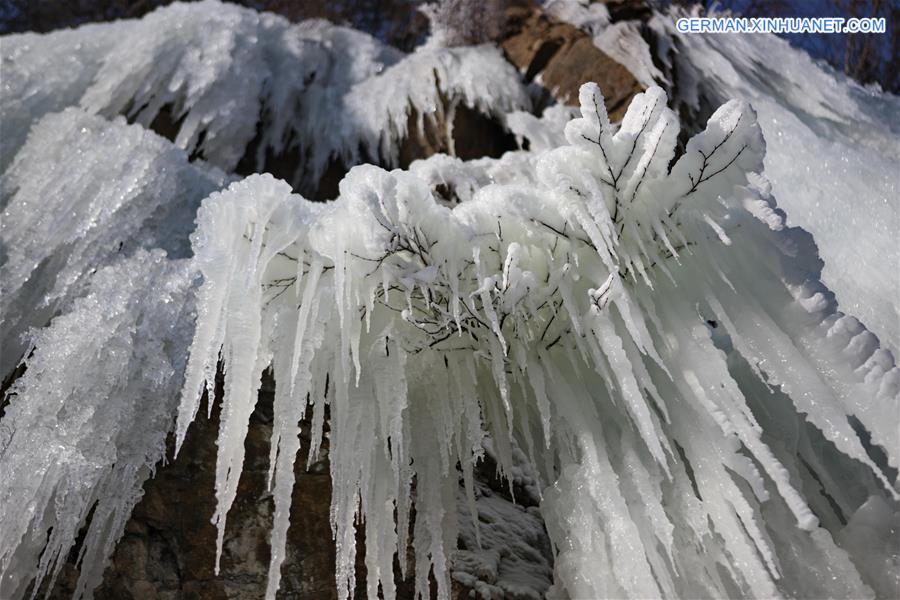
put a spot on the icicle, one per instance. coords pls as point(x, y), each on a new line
point(93, 410)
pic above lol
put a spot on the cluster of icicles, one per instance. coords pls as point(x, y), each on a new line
point(609, 320)
point(655, 339)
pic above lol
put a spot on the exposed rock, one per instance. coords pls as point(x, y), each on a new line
point(626, 10)
point(565, 57)
point(168, 551)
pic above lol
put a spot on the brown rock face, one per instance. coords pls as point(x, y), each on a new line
point(475, 135)
point(565, 57)
point(168, 550)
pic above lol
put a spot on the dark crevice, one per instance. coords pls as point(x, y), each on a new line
point(688, 469)
point(831, 501)
point(546, 52)
point(875, 452)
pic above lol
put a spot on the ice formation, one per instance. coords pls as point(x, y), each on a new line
point(454, 180)
point(638, 339)
point(230, 81)
point(87, 423)
point(147, 199)
point(611, 318)
point(832, 155)
point(843, 135)
point(106, 257)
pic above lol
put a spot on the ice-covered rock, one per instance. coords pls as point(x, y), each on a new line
point(61, 221)
point(87, 422)
point(94, 236)
point(699, 414)
point(230, 81)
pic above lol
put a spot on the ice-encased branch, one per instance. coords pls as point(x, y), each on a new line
point(514, 315)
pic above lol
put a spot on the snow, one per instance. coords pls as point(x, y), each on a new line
point(509, 556)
